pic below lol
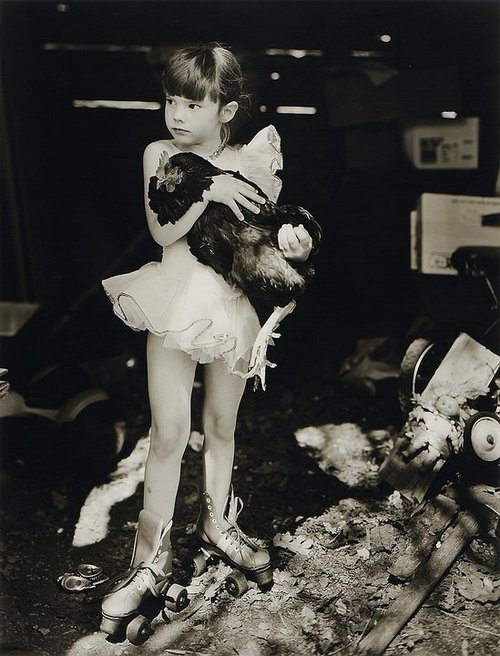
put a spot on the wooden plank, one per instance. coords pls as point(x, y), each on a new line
point(412, 478)
point(416, 592)
point(424, 529)
point(485, 495)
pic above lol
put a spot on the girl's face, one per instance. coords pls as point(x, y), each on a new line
point(194, 122)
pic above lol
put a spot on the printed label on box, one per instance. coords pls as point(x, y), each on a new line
point(445, 222)
point(445, 144)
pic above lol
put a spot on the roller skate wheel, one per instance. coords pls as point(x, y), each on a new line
point(264, 579)
point(74, 583)
point(176, 598)
point(89, 571)
point(236, 584)
point(199, 564)
point(139, 630)
point(484, 435)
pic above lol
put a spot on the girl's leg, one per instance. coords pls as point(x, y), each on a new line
point(217, 526)
point(170, 383)
point(223, 393)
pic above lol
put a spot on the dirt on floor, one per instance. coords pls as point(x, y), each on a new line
point(308, 453)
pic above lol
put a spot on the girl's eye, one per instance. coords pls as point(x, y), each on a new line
point(169, 101)
point(193, 106)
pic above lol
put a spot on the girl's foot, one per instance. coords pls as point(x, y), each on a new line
point(148, 574)
point(221, 536)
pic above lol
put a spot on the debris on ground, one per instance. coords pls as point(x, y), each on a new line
point(306, 467)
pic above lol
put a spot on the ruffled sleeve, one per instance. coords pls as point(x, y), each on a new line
point(261, 158)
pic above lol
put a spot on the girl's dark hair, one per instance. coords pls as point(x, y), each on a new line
point(211, 70)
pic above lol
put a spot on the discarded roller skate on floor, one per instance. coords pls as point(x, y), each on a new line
point(86, 577)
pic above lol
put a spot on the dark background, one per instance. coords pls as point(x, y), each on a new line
point(72, 208)
point(72, 214)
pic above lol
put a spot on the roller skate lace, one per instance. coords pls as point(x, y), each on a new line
point(144, 579)
point(234, 531)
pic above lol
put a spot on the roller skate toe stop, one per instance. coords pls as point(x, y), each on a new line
point(110, 626)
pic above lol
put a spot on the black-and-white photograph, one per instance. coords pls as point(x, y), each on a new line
point(249, 327)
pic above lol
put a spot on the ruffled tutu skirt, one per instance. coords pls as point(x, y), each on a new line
point(190, 306)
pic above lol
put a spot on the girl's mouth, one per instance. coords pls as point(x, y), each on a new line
point(180, 131)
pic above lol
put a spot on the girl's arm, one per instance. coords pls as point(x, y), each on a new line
point(169, 233)
point(224, 189)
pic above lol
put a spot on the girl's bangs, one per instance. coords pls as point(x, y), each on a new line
point(188, 81)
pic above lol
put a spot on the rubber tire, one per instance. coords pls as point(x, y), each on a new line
point(418, 365)
point(468, 443)
point(236, 584)
point(139, 630)
point(407, 368)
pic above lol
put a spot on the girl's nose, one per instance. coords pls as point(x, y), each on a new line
point(178, 114)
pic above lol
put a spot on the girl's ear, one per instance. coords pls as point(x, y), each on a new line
point(228, 111)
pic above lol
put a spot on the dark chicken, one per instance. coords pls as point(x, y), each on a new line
point(245, 253)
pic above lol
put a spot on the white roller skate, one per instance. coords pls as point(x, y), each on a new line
point(232, 546)
point(131, 601)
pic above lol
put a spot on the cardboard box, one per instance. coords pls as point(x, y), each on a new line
point(444, 222)
point(443, 144)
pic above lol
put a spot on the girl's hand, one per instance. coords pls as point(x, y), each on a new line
point(233, 192)
point(296, 243)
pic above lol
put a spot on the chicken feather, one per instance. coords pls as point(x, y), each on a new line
point(246, 253)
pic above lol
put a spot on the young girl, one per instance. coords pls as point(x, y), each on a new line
point(193, 316)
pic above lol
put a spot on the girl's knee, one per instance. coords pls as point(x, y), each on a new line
point(169, 438)
point(219, 426)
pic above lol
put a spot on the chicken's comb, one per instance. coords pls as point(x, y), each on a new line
point(164, 160)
